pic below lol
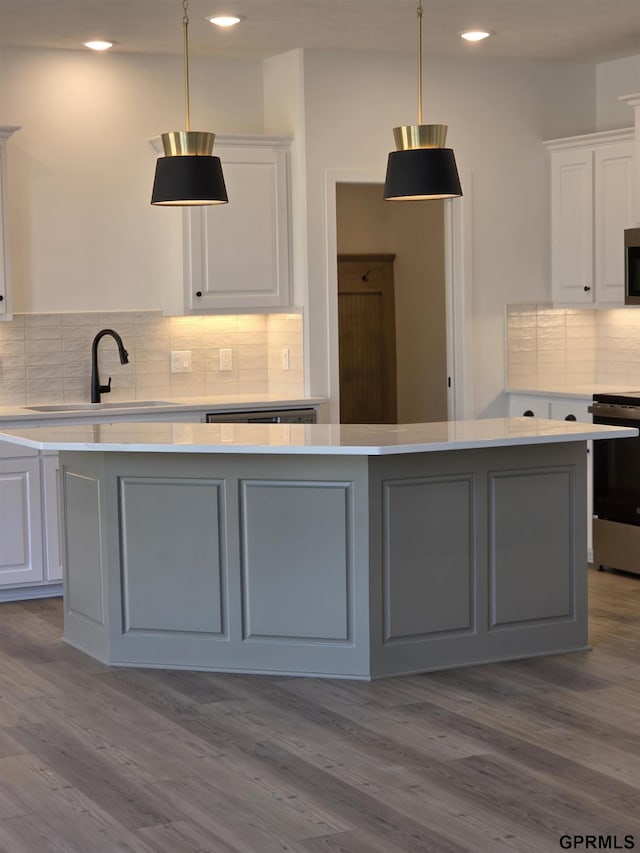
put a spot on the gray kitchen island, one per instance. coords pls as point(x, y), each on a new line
point(330, 550)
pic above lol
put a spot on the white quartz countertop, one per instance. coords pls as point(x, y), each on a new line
point(34, 413)
point(582, 392)
point(309, 439)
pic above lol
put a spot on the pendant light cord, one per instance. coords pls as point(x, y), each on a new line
point(185, 29)
point(420, 62)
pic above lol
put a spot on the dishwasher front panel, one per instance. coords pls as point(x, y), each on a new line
point(277, 416)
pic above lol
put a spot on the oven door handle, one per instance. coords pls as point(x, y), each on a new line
point(623, 413)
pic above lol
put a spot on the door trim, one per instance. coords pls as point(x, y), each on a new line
point(457, 239)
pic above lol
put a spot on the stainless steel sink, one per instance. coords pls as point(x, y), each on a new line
point(97, 407)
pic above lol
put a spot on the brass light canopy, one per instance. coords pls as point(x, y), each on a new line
point(422, 167)
point(188, 174)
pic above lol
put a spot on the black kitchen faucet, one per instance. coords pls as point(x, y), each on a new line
point(96, 387)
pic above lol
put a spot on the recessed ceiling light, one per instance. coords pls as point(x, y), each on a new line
point(224, 20)
point(99, 45)
point(475, 35)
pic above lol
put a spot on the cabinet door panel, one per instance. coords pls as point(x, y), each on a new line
point(21, 552)
point(614, 179)
point(572, 226)
point(237, 255)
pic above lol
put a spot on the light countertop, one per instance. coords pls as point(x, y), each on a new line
point(573, 390)
point(309, 439)
point(33, 413)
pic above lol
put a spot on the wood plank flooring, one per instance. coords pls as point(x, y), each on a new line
point(506, 757)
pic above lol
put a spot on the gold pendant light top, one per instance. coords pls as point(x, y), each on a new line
point(184, 143)
point(420, 136)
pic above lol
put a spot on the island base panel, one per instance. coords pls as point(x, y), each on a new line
point(343, 566)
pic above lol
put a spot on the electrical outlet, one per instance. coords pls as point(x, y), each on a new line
point(226, 362)
point(285, 358)
point(181, 361)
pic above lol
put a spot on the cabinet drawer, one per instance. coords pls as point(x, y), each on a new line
point(570, 410)
point(522, 405)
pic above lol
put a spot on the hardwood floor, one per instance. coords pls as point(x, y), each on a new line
point(506, 757)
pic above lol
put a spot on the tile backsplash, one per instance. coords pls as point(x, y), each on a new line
point(46, 358)
point(559, 346)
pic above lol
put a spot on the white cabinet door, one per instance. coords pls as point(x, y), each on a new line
point(21, 551)
point(572, 226)
point(592, 202)
point(237, 255)
point(614, 181)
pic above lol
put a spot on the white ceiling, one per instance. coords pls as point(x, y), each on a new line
point(538, 29)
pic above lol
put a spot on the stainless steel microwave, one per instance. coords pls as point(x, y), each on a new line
point(632, 266)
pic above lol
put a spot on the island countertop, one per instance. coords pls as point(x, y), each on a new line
point(310, 439)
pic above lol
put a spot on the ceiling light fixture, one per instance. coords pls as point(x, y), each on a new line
point(474, 35)
point(99, 44)
point(224, 20)
point(421, 168)
point(188, 174)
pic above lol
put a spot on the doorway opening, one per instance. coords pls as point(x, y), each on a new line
point(392, 313)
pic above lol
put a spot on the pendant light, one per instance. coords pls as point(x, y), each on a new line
point(421, 168)
point(188, 174)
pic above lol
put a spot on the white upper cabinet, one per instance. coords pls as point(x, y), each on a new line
point(592, 200)
point(5, 300)
point(237, 256)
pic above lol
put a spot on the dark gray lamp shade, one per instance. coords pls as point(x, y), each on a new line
point(189, 180)
point(419, 173)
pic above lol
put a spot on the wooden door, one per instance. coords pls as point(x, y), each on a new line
point(367, 339)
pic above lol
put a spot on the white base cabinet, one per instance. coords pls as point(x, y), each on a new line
point(21, 553)
point(30, 547)
point(560, 409)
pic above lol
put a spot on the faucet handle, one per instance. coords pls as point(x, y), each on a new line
point(104, 389)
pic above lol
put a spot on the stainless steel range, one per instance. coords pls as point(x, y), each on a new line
point(616, 485)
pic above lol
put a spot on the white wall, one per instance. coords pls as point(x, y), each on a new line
point(619, 77)
point(498, 113)
point(83, 234)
